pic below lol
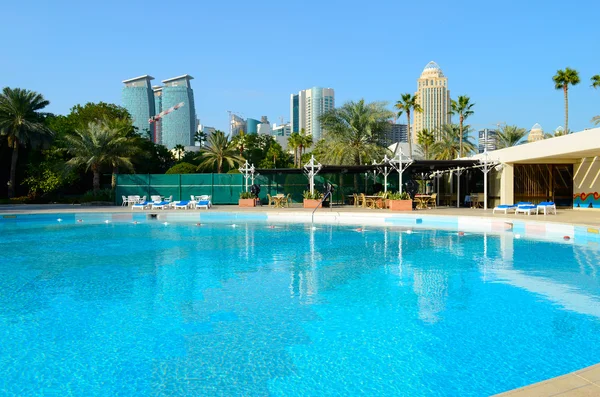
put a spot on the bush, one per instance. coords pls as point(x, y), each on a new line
point(399, 196)
point(246, 195)
point(102, 195)
point(314, 196)
point(182, 168)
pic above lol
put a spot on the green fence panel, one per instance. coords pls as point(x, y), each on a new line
point(164, 185)
point(196, 185)
point(131, 185)
point(227, 188)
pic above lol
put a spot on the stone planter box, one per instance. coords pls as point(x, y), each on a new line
point(400, 205)
point(311, 203)
point(247, 202)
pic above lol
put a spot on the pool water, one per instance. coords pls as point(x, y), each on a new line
point(93, 309)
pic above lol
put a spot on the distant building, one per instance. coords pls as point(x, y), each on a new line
point(395, 133)
point(536, 133)
point(264, 128)
point(307, 106)
point(178, 127)
point(434, 97)
point(138, 99)
point(252, 126)
point(236, 125)
point(488, 139)
point(157, 129)
point(282, 130)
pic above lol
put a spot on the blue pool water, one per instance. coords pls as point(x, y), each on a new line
point(93, 309)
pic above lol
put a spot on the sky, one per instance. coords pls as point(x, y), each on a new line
point(248, 57)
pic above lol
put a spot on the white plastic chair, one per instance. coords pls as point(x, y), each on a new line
point(125, 201)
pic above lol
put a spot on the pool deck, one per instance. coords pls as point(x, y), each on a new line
point(585, 382)
point(563, 216)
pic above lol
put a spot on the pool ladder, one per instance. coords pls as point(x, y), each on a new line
point(312, 219)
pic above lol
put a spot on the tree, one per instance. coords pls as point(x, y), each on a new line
point(240, 141)
point(562, 79)
point(82, 116)
point(595, 81)
point(179, 151)
point(294, 144)
point(22, 124)
point(97, 146)
point(200, 137)
point(462, 108)
point(304, 142)
point(182, 168)
point(218, 150)
point(447, 147)
point(509, 135)
point(425, 139)
point(352, 132)
point(406, 104)
point(274, 157)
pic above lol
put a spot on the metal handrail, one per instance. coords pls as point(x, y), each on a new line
point(312, 221)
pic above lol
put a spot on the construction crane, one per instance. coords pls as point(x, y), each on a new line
point(165, 112)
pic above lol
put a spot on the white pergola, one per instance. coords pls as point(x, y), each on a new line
point(400, 166)
point(311, 169)
point(249, 173)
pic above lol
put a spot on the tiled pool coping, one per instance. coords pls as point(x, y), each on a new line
point(585, 382)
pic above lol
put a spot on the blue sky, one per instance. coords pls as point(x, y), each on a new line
point(249, 57)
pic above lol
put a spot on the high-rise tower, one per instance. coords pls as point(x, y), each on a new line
point(434, 97)
point(138, 99)
point(178, 128)
point(307, 106)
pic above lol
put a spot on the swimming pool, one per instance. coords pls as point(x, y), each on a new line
point(179, 309)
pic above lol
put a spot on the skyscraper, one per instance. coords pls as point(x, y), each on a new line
point(395, 133)
point(157, 132)
point(138, 99)
point(434, 97)
point(178, 127)
point(488, 140)
point(307, 106)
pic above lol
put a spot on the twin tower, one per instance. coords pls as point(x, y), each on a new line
point(144, 101)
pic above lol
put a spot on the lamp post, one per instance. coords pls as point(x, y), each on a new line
point(312, 168)
point(248, 171)
point(400, 166)
point(385, 169)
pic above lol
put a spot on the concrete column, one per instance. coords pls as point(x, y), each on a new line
point(507, 185)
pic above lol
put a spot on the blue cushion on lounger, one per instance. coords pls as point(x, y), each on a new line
point(203, 202)
point(183, 203)
point(506, 206)
point(546, 203)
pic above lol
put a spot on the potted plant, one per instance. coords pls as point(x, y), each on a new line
point(400, 201)
point(312, 200)
point(247, 200)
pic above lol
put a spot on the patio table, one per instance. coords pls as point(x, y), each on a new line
point(422, 200)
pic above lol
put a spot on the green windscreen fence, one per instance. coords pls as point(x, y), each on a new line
point(226, 188)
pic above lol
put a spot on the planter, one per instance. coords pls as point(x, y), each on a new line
point(247, 202)
point(311, 203)
point(400, 205)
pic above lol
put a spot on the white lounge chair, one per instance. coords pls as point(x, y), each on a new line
point(125, 201)
point(526, 208)
point(182, 205)
point(506, 208)
point(203, 202)
point(142, 206)
point(547, 207)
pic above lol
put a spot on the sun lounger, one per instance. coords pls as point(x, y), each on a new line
point(142, 206)
point(526, 208)
point(203, 202)
point(505, 208)
point(161, 206)
point(547, 207)
point(182, 205)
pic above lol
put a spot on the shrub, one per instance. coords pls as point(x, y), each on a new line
point(102, 195)
point(246, 195)
point(314, 196)
point(182, 168)
point(399, 196)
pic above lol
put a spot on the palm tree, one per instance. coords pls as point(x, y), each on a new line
point(22, 123)
point(406, 104)
point(200, 137)
point(353, 131)
point(562, 79)
point(447, 147)
point(595, 81)
point(294, 141)
point(99, 145)
point(179, 150)
point(509, 135)
point(304, 142)
point(425, 139)
point(217, 151)
point(462, 108)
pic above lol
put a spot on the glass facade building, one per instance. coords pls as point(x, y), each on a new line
point(487, 140)
point(138, 99)
point(252, 126)
point(307, 106)
point(178, 127)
